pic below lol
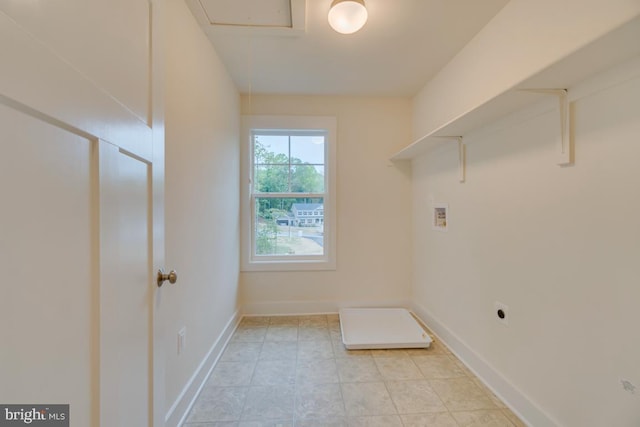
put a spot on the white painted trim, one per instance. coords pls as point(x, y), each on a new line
point(327, 123)
point(297, 28)
point(178, 412)
point(523, 406)
point(291, 308)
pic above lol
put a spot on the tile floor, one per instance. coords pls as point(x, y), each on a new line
point(294, 371)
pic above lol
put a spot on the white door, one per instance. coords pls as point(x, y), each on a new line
point(77, 310)
point(81, 228)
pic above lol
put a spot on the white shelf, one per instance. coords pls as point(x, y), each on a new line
point(614, 48)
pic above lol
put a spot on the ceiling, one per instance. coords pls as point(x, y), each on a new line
point(287, 46)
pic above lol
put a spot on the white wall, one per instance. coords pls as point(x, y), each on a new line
point(202, 201)
point(559, 246)
point(524, 38)
point(373, 215)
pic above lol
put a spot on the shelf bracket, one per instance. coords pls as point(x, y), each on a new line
point(462, 164)
point(565, 149)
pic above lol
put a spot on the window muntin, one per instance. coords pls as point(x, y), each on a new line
point(288, 164)
point(288, 161)
point(299, 147)
point(282, 231)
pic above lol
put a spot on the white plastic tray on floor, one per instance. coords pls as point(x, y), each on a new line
point(380, 328)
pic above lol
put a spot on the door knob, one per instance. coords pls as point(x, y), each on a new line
point(172, 277)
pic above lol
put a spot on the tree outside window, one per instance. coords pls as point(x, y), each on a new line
point(288, 186)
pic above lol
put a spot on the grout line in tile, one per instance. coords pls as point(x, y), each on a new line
point(335, 358)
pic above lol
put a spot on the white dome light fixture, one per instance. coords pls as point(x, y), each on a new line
point(347, 16)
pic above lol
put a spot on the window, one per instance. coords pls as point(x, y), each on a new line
point(289, 162)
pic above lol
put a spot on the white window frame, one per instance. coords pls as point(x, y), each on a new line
point(250, 262)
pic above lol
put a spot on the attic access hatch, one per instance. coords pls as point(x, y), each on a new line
point(265, 17)
point(380, 328)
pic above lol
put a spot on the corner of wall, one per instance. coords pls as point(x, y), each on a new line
point(177, 414)
point(517, 401)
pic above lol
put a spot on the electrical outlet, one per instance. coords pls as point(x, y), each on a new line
point(502, 313)
point(182, 339)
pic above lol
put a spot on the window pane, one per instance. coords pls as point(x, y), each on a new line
point(271, 179)
point(307, 179)
point(271, 149)
point(307, 149)
point(281, 229)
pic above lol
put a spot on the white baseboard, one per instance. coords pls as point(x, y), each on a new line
point(518, 402)
point(273, 308)
point(178, 412)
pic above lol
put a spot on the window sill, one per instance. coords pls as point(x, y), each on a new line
point(304, 265)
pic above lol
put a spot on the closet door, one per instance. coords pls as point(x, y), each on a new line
point(81, 210)
point(75, 240)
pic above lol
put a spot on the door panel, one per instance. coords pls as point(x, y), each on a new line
point(126, 293)
point(47, 260)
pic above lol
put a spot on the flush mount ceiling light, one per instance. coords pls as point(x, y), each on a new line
point(347, 16)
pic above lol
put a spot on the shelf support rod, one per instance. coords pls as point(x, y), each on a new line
point(565, 149)
point(462, 164)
